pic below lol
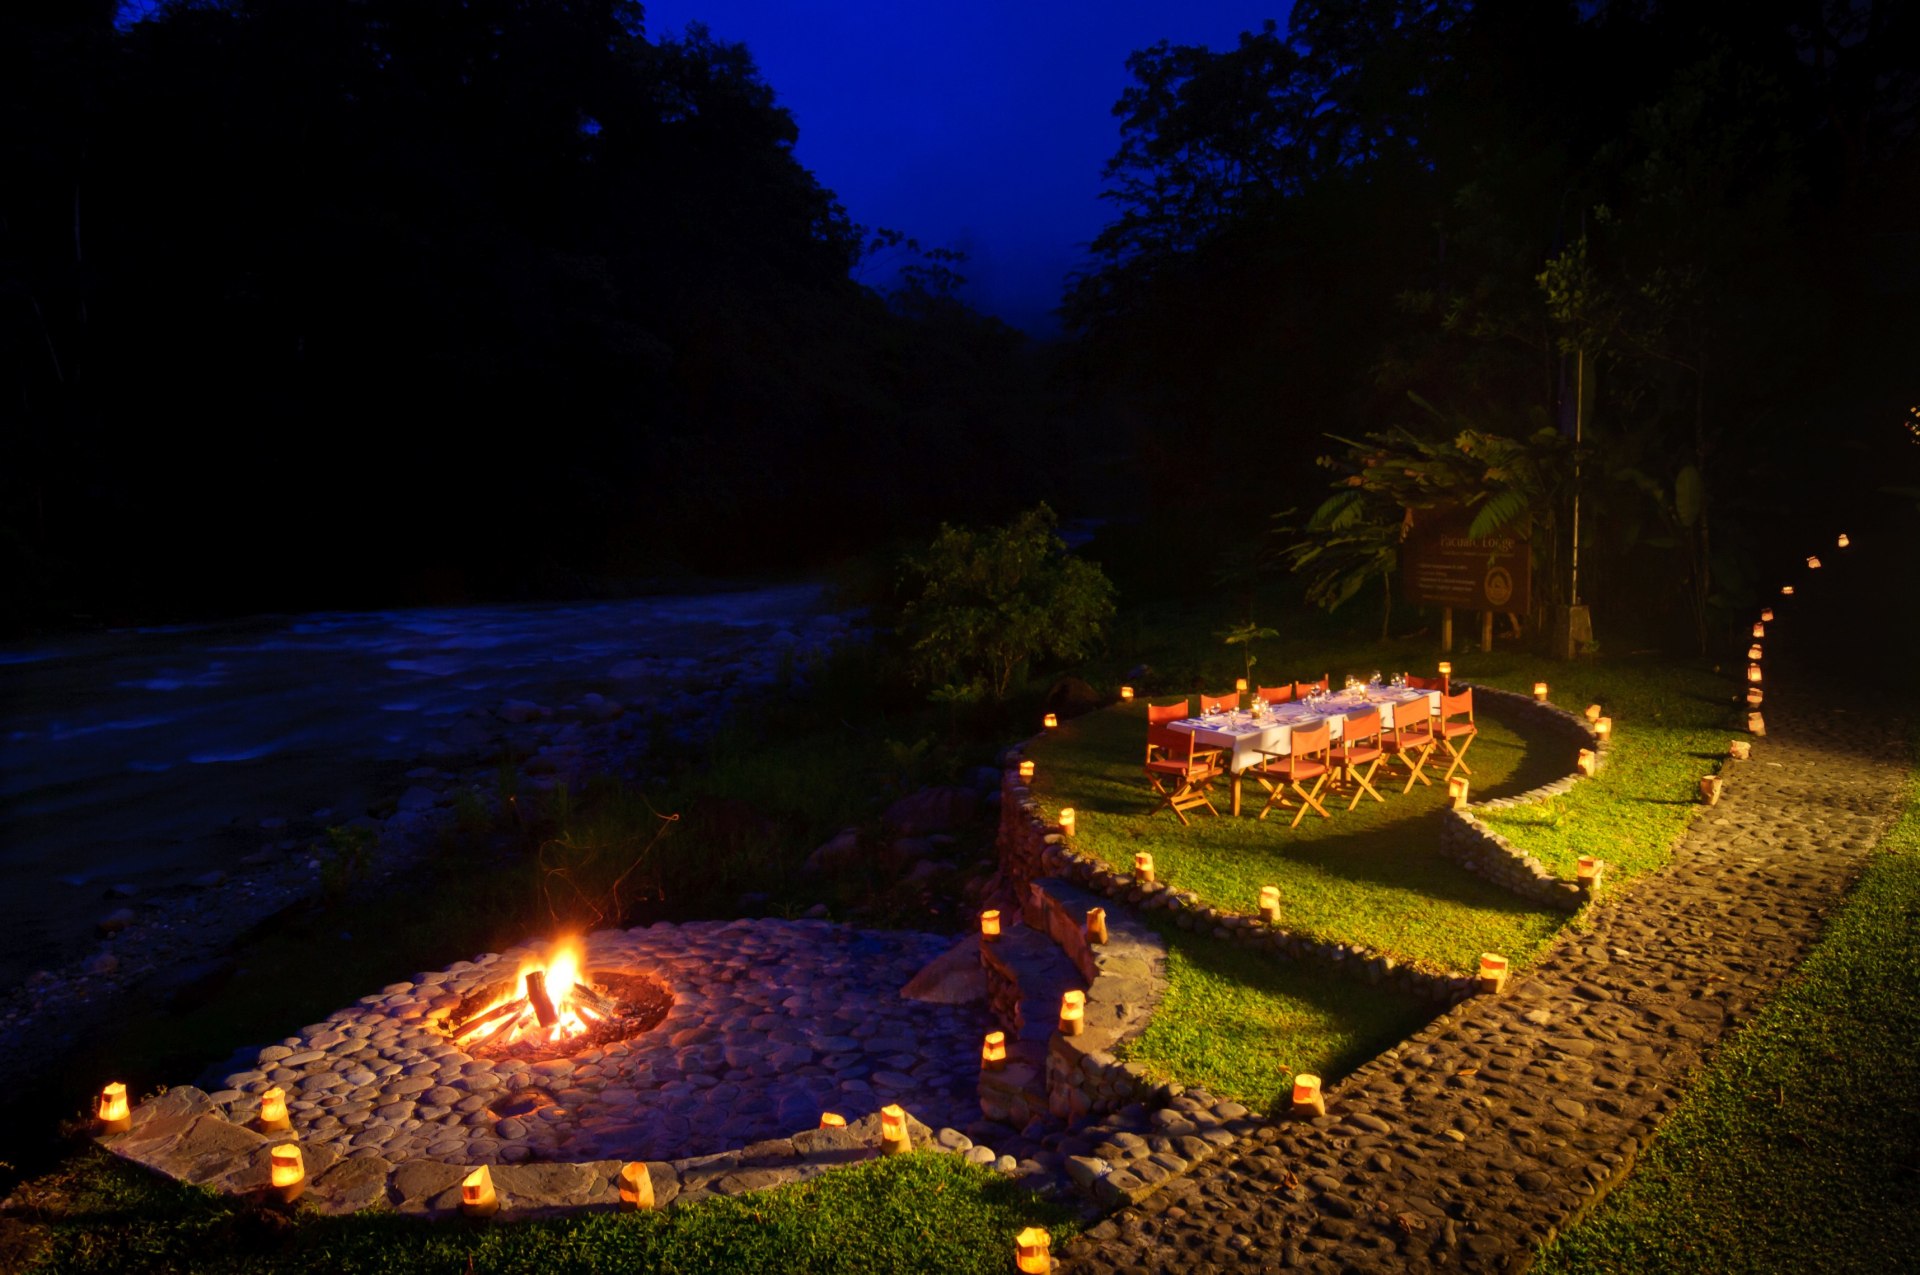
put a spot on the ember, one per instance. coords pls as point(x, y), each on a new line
point(555, 1008)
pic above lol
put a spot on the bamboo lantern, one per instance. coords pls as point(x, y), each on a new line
point(287, 1171)
point(1759, 631)
point(1030, 1251)
point(113, 1114)
point(1143, 867)
point(1493, 973)
point(1587, 872)
point(894, 1138)
point(1446, 676)
point(1710, 789)
point(990, 924)
point(1026, 769)
point(273, 1112)
point(1096, 925)
point(1126, 695)
point(1843, 541)
point(1539, 692)
point(1753, 674)
point(1753, 652)
point(993, 1051)
point(1066, 820)
point(1593, 712)
point(477, 1197)
point(1739, 750)
point(1270, 904)
point(1307, 1098)
point(1240, 685)
point(1756, 725)
point(1766, 616)
point(1786, 590)
point(1813, 564)
point(1603, 728)
point(1457, 789)
point(832, 1120)
point(1586, 762)
point(1050, 721)
point(1073, 1013)
point(636, 1187)
point(1755, 697)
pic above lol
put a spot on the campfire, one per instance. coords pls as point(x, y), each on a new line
point(555, 1004)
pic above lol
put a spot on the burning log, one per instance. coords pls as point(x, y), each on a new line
point(542, 1003)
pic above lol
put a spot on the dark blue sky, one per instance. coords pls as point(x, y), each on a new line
point(975, 124)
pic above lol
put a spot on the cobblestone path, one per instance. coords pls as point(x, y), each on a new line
point(1473, 1141)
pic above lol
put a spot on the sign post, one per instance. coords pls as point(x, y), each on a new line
point(1442, 567)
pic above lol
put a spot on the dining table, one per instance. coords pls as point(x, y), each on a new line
point(1249, 736)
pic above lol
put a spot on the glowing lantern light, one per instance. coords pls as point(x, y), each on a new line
point(1307, 1098)
point(1587, 761)
point(832, 1120)
point(1739, 749)
point(1446, 669)
point(1540, 692)
point(1073, 1013)
point(1587, 872)
point(1050, 721)
point(1143, 867)
point(1786, 590)
point(1493, 972)
point(1066, 820)
point(990, 924)
point(273, 1112)
point(1813, 564)
point(1755, 697)
point(894, 1138)
point(1240, 685)
point(1030, 1251)
point(1759, 631)
point(1756, 724)
point(477, 1198)
point(636, 1187)
point(287, 1171)
point(1766, 616)
point(1096, 925)
point(993, 1051)
point(1843, 541)
point(1710, 789)
point(1753, 652)
point(1603, 729)
point(1026, 770)
point(1126, 695)
point(1270, 904)
point(1593, 712)
point(1457, 789)
point(113, 1114)
point(1753, 674)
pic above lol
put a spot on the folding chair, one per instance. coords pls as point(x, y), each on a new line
point(1310, 759)
point(1276, 694)
point(1225, 703)
point(1411, 740)
point(1304, 689)
point(1161, 714)
point(1419, 683)
point(1452, 706)
point(1180, 773)
point(1359, 752)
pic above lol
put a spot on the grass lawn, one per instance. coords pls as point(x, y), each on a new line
point(921, 1212)
point(1799, 1148)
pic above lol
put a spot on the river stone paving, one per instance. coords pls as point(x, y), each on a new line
point(1503, 1120)
point(773, 1022)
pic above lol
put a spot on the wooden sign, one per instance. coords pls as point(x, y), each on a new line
point(1440, 566)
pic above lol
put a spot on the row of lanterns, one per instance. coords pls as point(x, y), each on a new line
point(1756, 723)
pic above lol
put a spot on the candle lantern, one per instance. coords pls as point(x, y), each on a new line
point(894, 1138)
point(1756, 724)
point(1066, 820)
point(1739, 749)
point(1270, 904)
point(1755, 697)
point(832, 1120)
point(1753, 652)
point(1240, 685)
point(1493, 973)
point(1050, 721)
point(477, 1197)
point(113, 1114)
point(273, 1112)
point(1813, 564)
point(1753, 674)
point(1030, 1251)
point(1073, 1013)
point(1307, 1098)
point(636, 1187)
point(1026, 769)
point(990, 924)
point(1593, 712)
point(1143, 867)
point(1587, 872)
point(1446, 671)
point(1586, 761)
point(993, 1051)
point(1126, 695)
point(1766, 616)
point(1457, 789)
point(1603, 728)
point(1759, 631)
point(1843, 542)
point(1786, 590)
point(1540, 692)
point(287, 1171)
point(1096, 925)
point(1710, 789)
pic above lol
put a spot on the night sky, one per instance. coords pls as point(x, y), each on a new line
point(976, 124)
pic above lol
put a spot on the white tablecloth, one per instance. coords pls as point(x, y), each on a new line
point(1248, 738)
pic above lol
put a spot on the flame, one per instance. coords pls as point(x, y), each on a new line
point(562, 968)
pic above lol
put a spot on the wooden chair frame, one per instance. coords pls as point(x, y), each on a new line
point(1452, 706)
point(1359, 753)
point(1411, 741)
point(1181, 775)
point(1307, 743)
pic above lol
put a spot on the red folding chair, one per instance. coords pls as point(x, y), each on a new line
point(1451, 707)
point(1179, 772)
point(1303, 689)
point(1161, 714)
point(1276, 694)
point(1419, 683)
point(1310, 760)
point(1358, 753)
point(1411, 739)
point(1223, 703)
